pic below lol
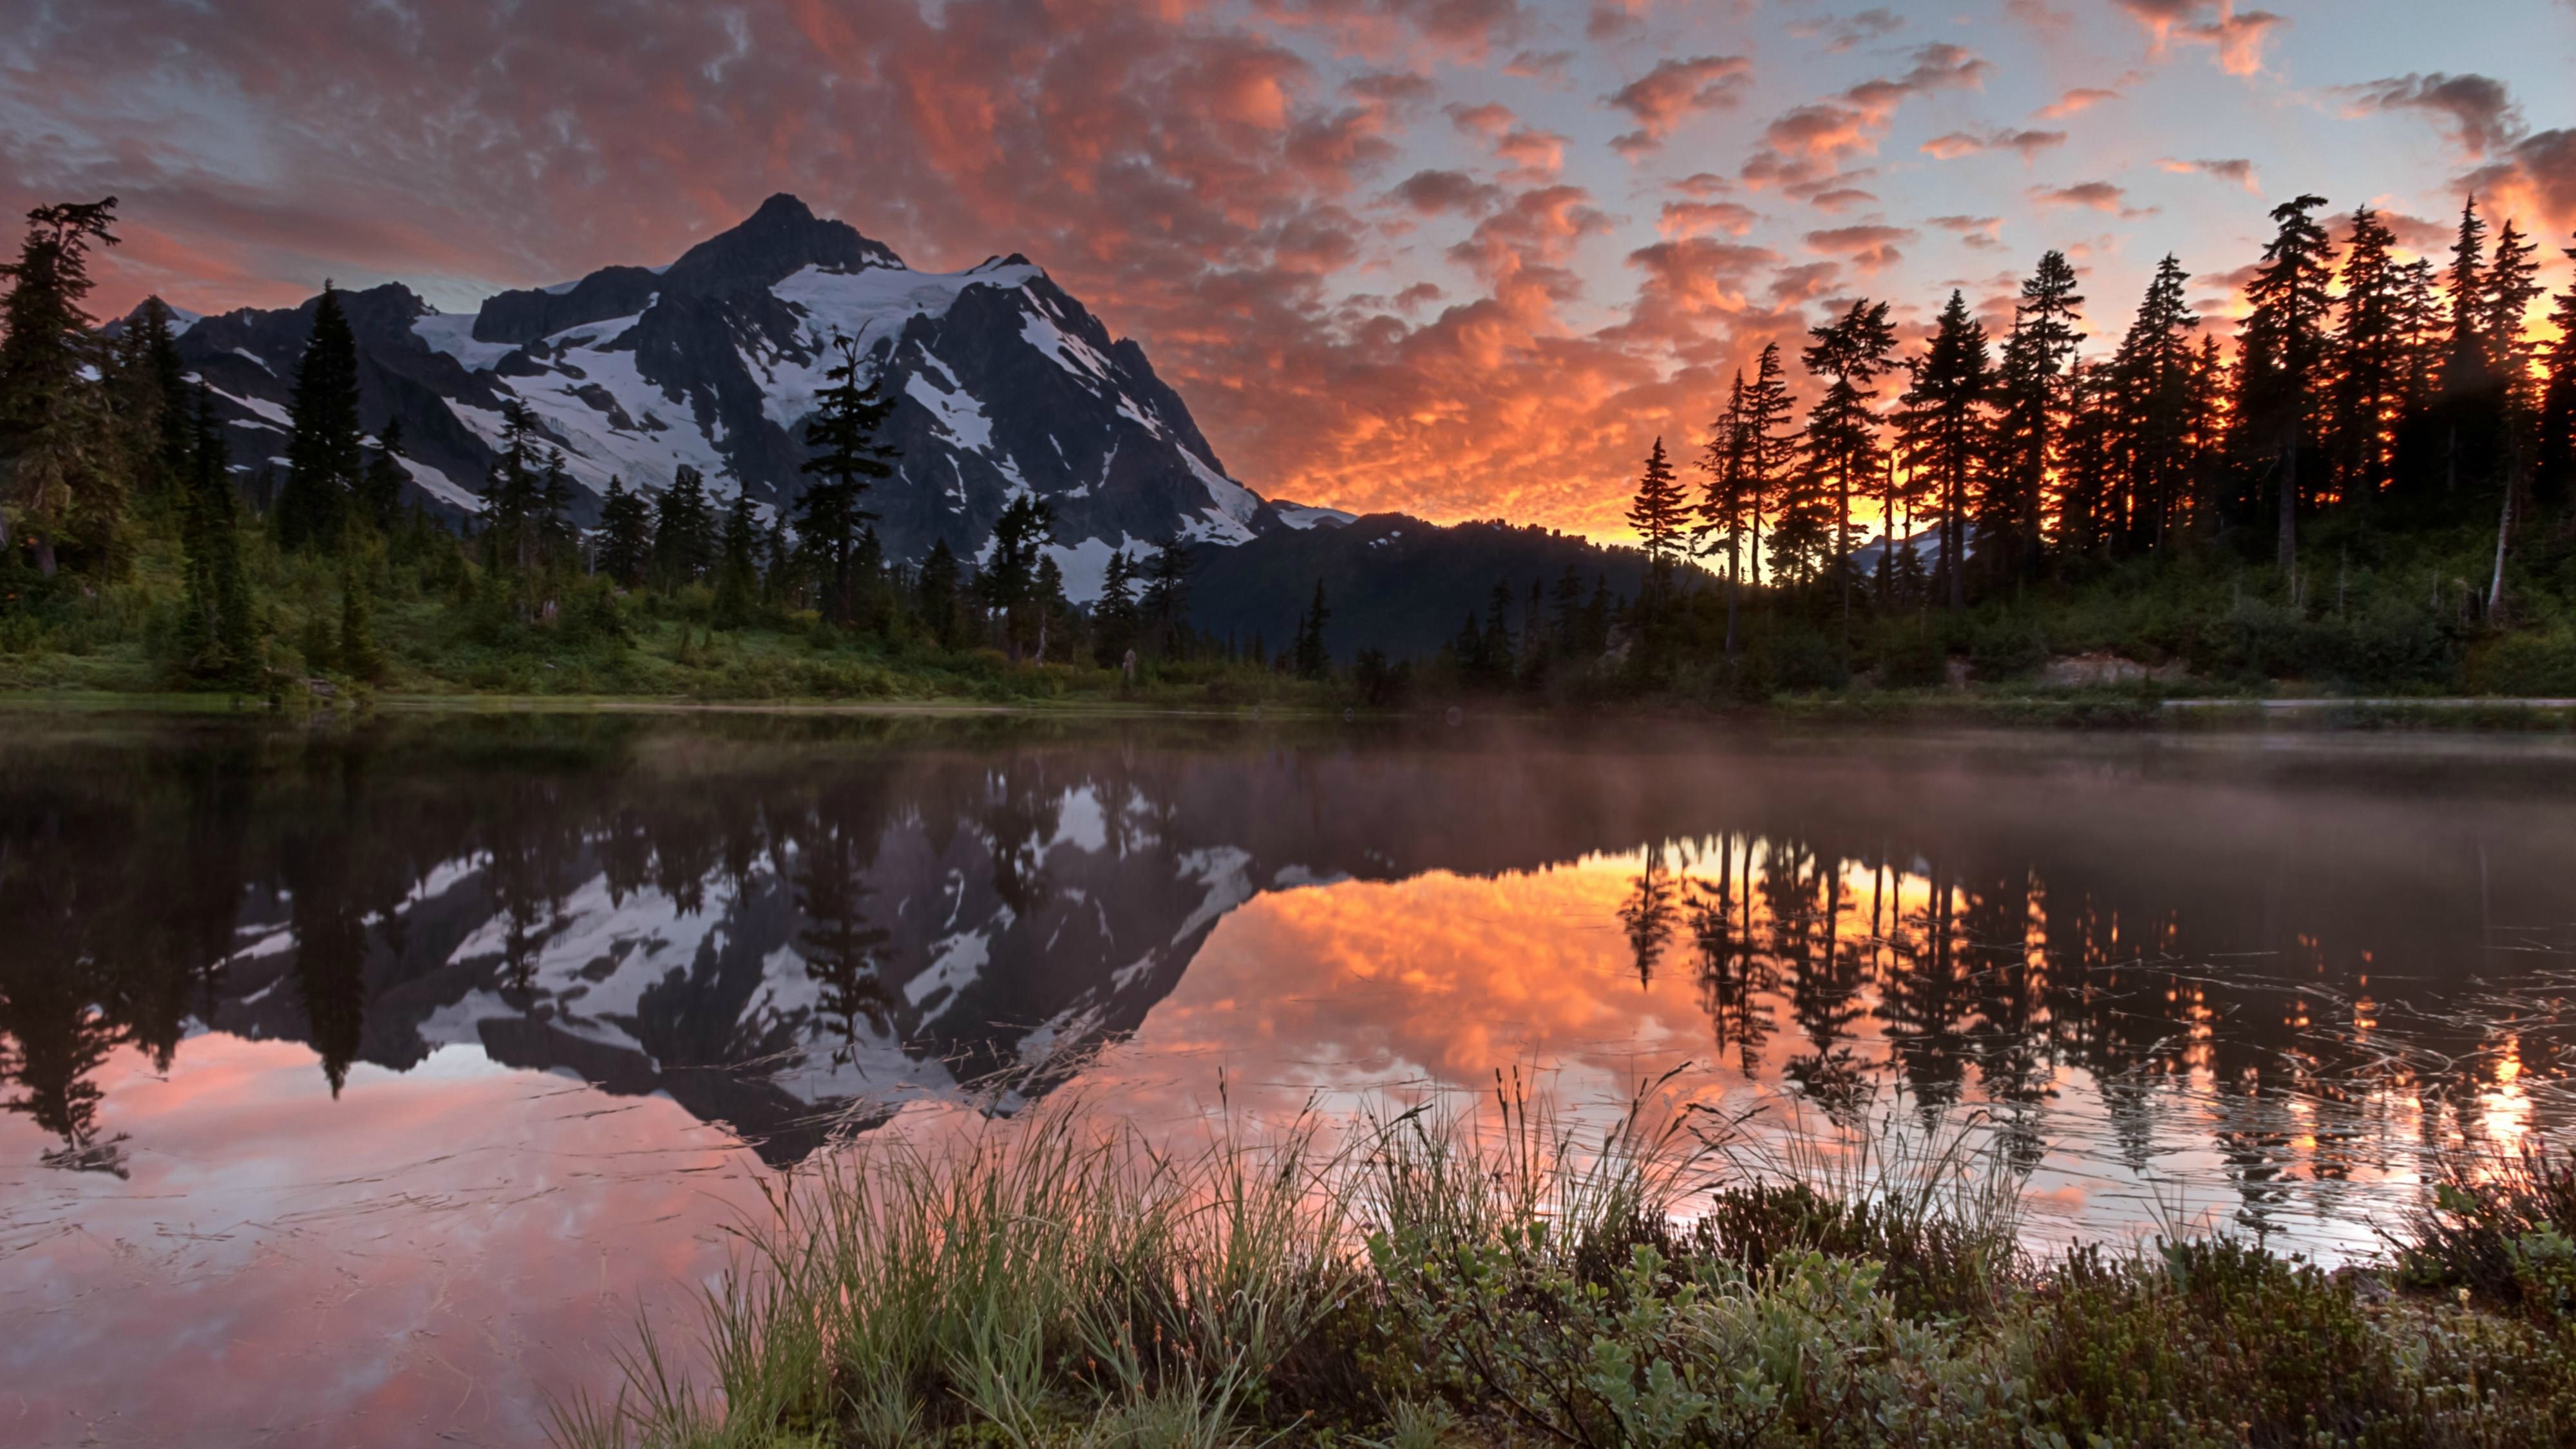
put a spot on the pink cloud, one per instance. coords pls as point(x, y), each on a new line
point(1672, 92)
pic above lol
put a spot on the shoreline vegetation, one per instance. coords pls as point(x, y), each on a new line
point(1494, 1276)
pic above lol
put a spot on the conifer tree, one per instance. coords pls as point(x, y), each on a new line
point(625, 539)
point(2554, 480)
point(1724, 509)
point(738, 564)
point(2466, 367)
point(1842, 432)
point(1660, 513)
point(938, 588)
point(62, 477)
point(513, 494)
point(1943, 427)
point(1567, 618)
point(156, 397)
point(215, 642)
point(2369, 360)
point(1770, 447)
point(1312, 661)
point(847, 458)
point(2283, 354)
point(1114, 617)
point(1164, 606)
point(2030, 393)
point(2148, 389)
point(558, 537)
point(2512, 285)
point(1009, 579)
point(778, 584)
point(324, 447)
point(684, 541)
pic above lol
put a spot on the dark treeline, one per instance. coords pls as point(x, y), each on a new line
point(2371, 487)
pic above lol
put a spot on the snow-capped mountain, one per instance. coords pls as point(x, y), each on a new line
point(1004, 385)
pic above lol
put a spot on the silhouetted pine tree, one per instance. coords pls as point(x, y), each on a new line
point(2554, 482)
point(61, 471)
point(938, 590)
point(1164, 607)
point(325, 452)
point(1944, 431)
point(2149, 389)
point(1842, 432)
point(1770, 449)
point(625, 538)
point(738, 565)
point(2030, 397)
point(848, 414)
point(684, 534)
point(2370, 363)
point(2282, 358)
point(216, 644)
point(1312, 661)
point(1114, 617)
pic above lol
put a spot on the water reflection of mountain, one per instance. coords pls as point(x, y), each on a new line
point(785, 933)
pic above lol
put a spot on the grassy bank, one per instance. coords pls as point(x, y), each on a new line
point(1430, 1281)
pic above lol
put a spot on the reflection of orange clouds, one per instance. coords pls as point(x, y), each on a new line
point(431, 1253)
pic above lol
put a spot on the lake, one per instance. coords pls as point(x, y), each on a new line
point(364, 1086)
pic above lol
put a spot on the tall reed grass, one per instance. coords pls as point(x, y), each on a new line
point(1497, 1273)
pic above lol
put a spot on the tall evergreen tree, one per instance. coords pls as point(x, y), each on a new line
point(1770, 447)
point(1164, 607)
point(1009, 579)
point(2512, 285)
point(2148, 390)
point(848, 415)
point(2031, 397)
point(1725, 510)
point(325, 450)
point(1660, 513)
point(216, 642)
point(157, 399)
point(1114, 617)
point(2283, 355)
point(2466, 368)
point(684, 531)
point(1943, 428)
point(513, 495)
point(939, 588)
point(2554, 481)
point(1842, 432)
point(625, 538)
point(738, 564)
point(62, 477)
point(2370, 361)
point(1312, 660)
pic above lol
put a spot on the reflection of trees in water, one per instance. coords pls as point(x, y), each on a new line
point(1653, 905)
point(1929, 966)
point(1837, 951)
point(840, 946)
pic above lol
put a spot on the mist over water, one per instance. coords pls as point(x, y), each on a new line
point(366, 1085)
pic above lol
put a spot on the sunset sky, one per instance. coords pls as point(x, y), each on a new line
point(1463, 258)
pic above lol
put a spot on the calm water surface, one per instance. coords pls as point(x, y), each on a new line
point(363, 1088)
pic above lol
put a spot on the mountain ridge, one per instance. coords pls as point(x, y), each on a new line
point(1004, 385)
